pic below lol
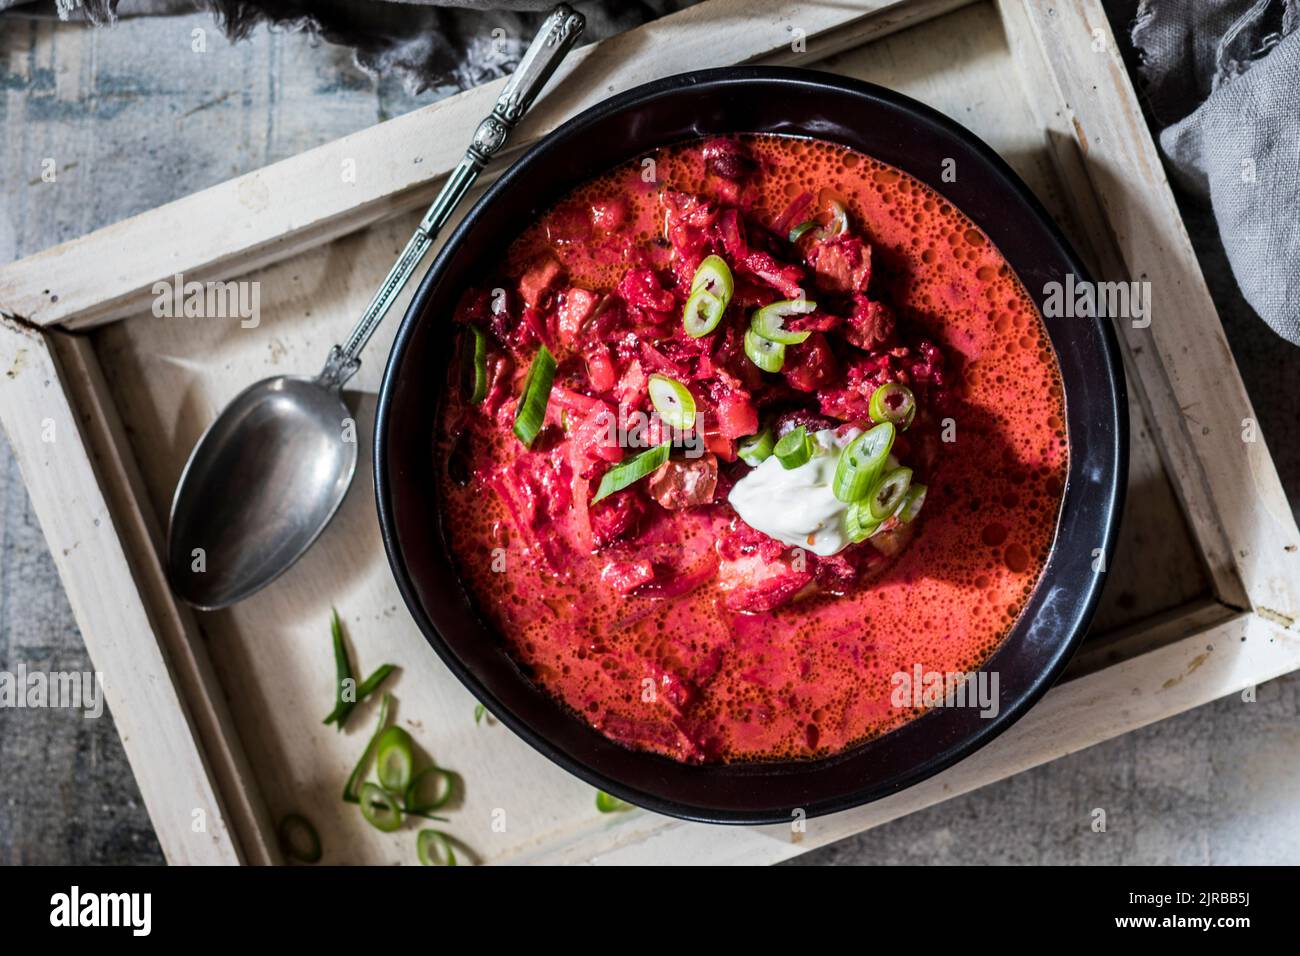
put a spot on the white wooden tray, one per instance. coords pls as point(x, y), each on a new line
point(221, 712)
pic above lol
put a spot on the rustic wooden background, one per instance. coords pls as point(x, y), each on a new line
point(134, 117)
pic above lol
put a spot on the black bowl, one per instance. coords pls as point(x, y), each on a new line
point(874, 121)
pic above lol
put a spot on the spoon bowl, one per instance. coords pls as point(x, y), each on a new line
point(261, 485)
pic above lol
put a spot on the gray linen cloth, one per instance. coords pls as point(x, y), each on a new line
point(432, 44)
point(1225, 74)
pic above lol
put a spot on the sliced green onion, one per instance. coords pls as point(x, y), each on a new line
point(766, 354)
point(479, 713)
point(342, 673)
point(888, 492)
point(632, 470)
point(714, 277)
point(858, 523)
point(531, 413)
point(417, 801)
point(913, 501)
point(756, 449)
point(473, 364)
point(702, 313)
point(350, 794)
point(893, 402)
point(394, 759)
point(380, 808)
point(609, 804)
point(673, 401)
point(794, 448)
point(434, 848)
point(299, 839)
point(839, 223)
point(797, 232)
point(862, 461)
point(769, 321)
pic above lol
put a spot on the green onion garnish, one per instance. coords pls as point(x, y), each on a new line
point(858, 523)
point(608, 804)
point(797, 232)
point(673, 401)
point(714, 277)
point(479, 713)
point(350, 793)
point(913, 501)
point(766, 354)
point(342, 672)
point(862, 461)
point(888, 492)
point(531, 413)
point(769, 321)
point(632, 470)
point(299, 839)
point(839, 223)
point(434, 848)
point(380, 808)
point(794, 448)
point(394, 759)
point(421, 799)
point(473, 364)
point(702, 313)
point(343, 669)
point(893, 402)
point(755, 449)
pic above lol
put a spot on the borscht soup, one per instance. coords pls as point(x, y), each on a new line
point(740, 437)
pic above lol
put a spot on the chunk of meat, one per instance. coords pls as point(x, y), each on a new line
point(574, 307)
point(684, 483)
point(539, 280)
point(626, 576)
point(842, 264)
point(754, 585)
point(871, 326)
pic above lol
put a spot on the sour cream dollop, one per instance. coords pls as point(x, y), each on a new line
point(796, 506)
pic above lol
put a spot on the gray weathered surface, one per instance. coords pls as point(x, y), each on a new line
point(141, 115)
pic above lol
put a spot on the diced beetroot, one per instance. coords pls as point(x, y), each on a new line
point(810, 420)
point(631, 387)
point(593, 442)
point(641, 289)
point(819, 321)
point(740, 540)
point(794, 214)
point(737, 416)
point(871, 326)
point(615, 517)
point(539, 280)
point(607, 215)
point(500, 371)
point(727, 158)
point(842, 264)
point(851, 401)
point(573, 309)
point(601, 373)
point(626, 576)
point(684, 483)
point(810, 365)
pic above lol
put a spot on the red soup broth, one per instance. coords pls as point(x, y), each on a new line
point(818, 675)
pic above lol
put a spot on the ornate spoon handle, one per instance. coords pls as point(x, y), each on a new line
point(557, 36)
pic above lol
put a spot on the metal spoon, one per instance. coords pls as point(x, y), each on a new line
point(268, 475)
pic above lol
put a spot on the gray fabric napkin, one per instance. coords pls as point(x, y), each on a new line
point(1225, 74)
point(431, 44)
